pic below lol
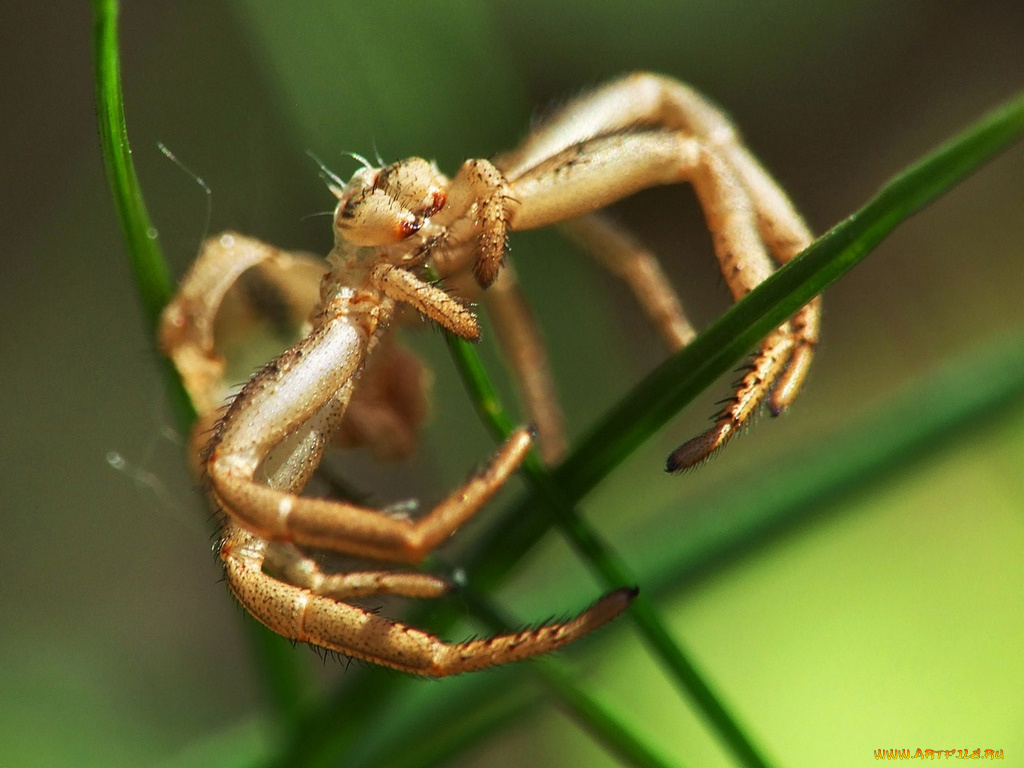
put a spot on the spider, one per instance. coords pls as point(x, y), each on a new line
point(346, 378)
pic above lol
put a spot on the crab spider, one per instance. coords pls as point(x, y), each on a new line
point(345, 377)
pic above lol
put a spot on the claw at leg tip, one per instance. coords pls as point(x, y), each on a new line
point(699, 449)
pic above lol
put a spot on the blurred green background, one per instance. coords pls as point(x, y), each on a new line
point(891, 619)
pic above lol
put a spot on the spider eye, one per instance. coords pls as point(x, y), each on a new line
point(372, 217)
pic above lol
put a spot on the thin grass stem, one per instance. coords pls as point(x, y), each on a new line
point(284, 679)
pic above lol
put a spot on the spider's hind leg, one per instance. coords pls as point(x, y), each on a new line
point(245, 277)
point(612, 246)
point(765, 368)
point(523, 347)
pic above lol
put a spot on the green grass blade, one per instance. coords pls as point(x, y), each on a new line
point(598, 717)
point(149, 268)
point(607, 564)
point(148, 265)
point(436, 734)
point(282, 675)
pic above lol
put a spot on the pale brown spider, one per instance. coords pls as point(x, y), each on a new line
point(345, 376)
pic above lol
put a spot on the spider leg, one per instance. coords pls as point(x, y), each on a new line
point(765, 368)
point(624, 256)
point(349, 528)
point(433, 302)
point(187, 324)
point(523, 345)
point(597, 172)
point(786, 234)
point(307, 607)
point(521, 339)
point(267, 419)
point(481, 190)
point(646, 130)
point(278, 426)
point(306, 615)
point(288, 563)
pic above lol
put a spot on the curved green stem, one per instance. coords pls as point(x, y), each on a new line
point(153, 278)
point(604, 561)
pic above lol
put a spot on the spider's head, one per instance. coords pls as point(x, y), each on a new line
point(383, 206)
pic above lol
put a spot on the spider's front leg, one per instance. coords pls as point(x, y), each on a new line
point(242, 293)
point(268, 444)
point(309, 605)
point(312, 609)
point(594, 173)
point(644, 131)
point(273, 435)
point(480, 194)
